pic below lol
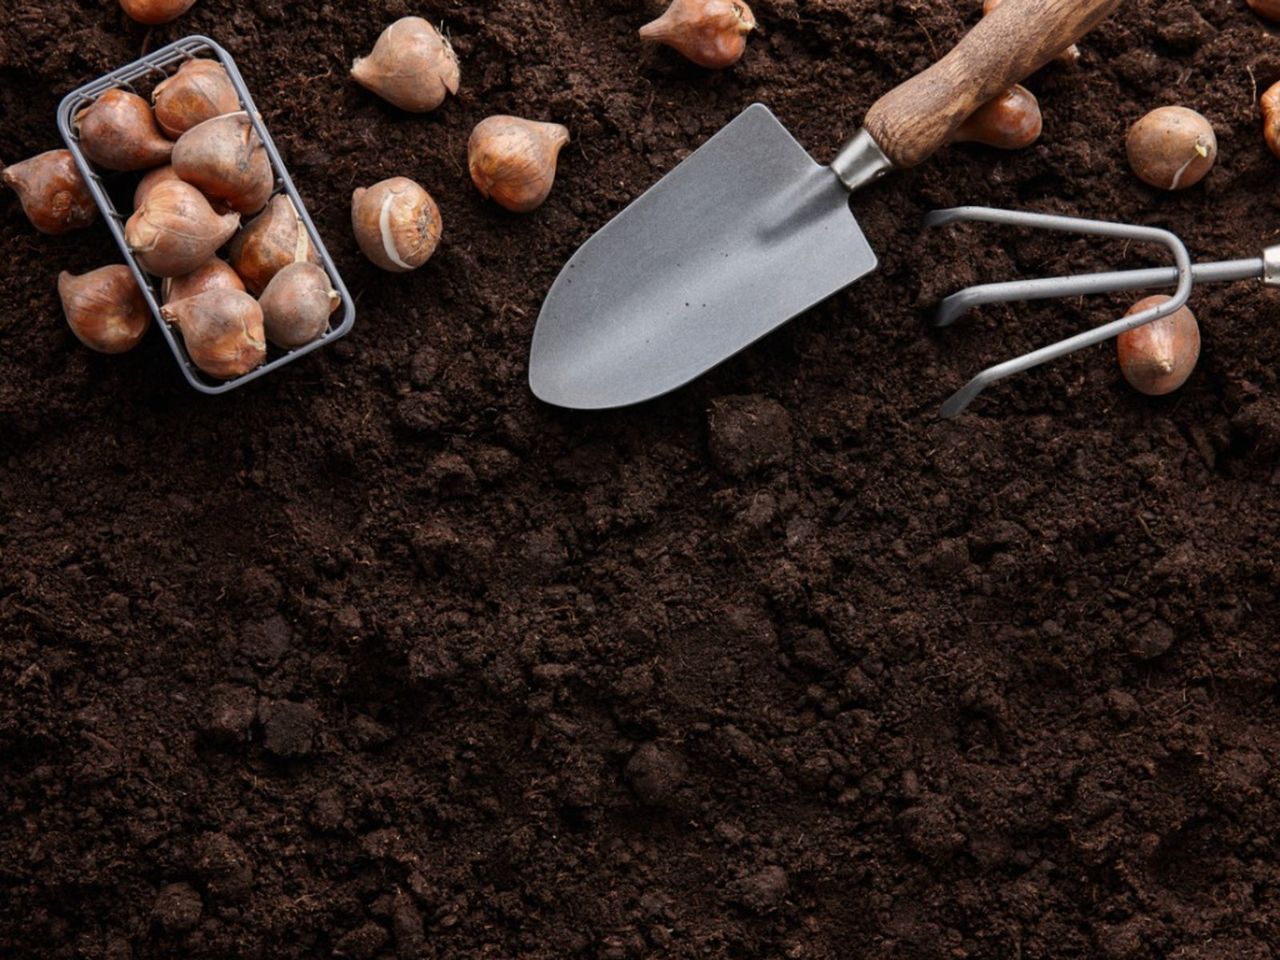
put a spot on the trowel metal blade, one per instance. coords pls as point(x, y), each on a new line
point(745, 234)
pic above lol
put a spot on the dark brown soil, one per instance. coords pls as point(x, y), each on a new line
point(379, 657)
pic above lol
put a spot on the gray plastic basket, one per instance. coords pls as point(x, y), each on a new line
point(159, 65)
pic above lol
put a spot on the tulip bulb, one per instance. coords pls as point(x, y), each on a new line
point(149, 181)
point(225, 158)
point(513, 161)
point(118, 132)
point(1159, 357)
point(1271, 117)
point(412, 66)
point(296, 305)
point(269, 243)
point(1011, 121)
point(104, 308)
point(711, 33)
point(1172, 148)
point(152, 12)
point(175, 230)
point(1269, 9)
point(53, 195)
point(222, 331)
point(396, 224)
point(199, 91)
point(215, 274)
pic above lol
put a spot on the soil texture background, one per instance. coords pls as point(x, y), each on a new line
point(380, 657)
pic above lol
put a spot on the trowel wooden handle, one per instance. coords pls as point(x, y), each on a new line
point(913, 121)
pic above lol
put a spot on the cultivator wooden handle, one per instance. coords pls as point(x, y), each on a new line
point(916, 119)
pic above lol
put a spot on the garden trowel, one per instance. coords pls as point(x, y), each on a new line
point(749, 231)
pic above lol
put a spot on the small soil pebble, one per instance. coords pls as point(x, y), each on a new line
point(367, 733)
point(265, 642)
point(230, 712)
point(1121, 705)
point(655, 773)
point(930, 829)
point(1240, 775)
point(177, 908)
point(748, 434)
point(328, 810)
point(224, 867)
point(812, 650)
point(1151, 640)
point(761, 891)
point(288, 728)
point(406, 923)
point(362, 942)
point(949, 558)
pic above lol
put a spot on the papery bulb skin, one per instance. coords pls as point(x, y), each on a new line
point(397, 224)
point(296, 305)
point(1172, 148)
point(149, 181)
point(176, 230)
point(1159, 357)
point(225, 158)
point(118, 131)
point(711, 33)
point(222, 331)
point(412, 66)
point(214, 274)
point(199, 91)
point(1010, 121)
point(155, 12)
point(104, 308)
point(1270, 104)
point(270, 242)
point(53, 195)
point(1267, 9)
point(513, 161)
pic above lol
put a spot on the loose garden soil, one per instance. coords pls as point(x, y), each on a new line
point(379, 657)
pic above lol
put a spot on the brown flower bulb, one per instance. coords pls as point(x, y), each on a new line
point(1172, 148)
point(270, 242)
point(225, 158)
point(53, 195)
point(222, 331)
point(199, 91)
point(118, 132)
point(149, 181)
point(215, 274)
point(711, 33)
point(104, 308)
point(175, 230)
point(1271, 117)
point(396, 224)
point(152, 12)
point(1159, 357)
point(1010, 121)
point(296, 305)
point(513, 161)
point(412, 66)
point(1269, 9)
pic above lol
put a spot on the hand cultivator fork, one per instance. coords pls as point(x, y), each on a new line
point(1184, 275)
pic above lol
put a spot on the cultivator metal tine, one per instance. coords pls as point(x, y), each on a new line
point(1182, 273)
